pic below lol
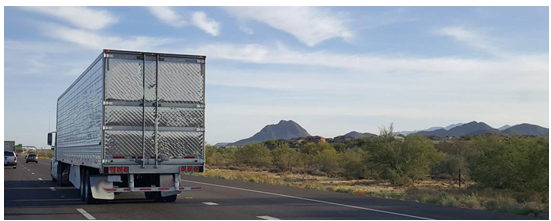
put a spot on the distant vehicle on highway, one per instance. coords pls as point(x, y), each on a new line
point(31, 157)
point(9, 145)
point(132, 122)
point(10, 159)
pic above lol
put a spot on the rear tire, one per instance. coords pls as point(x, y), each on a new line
point(167, 199)
point(88, 198)
point(82, 185)
point(59, 179)
point(14, 167)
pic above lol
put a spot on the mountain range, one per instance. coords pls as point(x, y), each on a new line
point(480, 128)
point(289, 129)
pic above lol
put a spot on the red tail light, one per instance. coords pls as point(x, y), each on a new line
point(183, 169)
point(111, 169)
point(188, 169)
point(195, 169)
point(119, 169)
point(125, 169)
point(14, 158)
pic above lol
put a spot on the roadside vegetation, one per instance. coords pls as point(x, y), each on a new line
point(507, 174)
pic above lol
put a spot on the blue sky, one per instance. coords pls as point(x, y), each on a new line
point(331, 69)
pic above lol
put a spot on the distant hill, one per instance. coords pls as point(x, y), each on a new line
point(357, 134)
point(282, 130)
point(527, 129)
point(472, 129)
point(504, 127)
point(221, 144)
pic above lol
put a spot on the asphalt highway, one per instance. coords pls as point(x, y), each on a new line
point(29, 193)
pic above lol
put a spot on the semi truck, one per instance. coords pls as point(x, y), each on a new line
point(131, 122)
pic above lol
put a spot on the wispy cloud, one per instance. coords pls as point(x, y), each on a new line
point(200, 20)
point(472, 39)
point(167, 15)
point(83, 17)
point(376, 64)
point(310, 25)
point(93, 40)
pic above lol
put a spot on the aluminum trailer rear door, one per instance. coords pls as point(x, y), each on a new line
point(154, 108)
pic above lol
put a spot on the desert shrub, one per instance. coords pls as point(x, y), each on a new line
point(450, 166)
point(404, 161)
point(353, 162)
point(327, 160)
point(285, 158)
point(514, 163)
point(254, 154)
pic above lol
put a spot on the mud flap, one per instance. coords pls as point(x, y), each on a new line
point(74, 176)
point(98, 184)
point(169, 193)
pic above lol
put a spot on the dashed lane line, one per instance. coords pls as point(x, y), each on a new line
point(210, 203)
point(312, 200)
point(39, 178)
point(53, 189)
point(267, 217)
point(85, 214)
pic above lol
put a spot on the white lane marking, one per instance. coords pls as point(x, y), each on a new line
point(33, 173)
point(267, 217)
point(39, 178)
point(85, 214)
point(53, 189)
point(210, 203)
point(312, 200)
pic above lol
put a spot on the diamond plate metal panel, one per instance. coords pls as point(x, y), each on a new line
point(181, 81)
point(171, 143)
point(127, 143)
point(168, 117)
point(180, 144)
point(124, 79)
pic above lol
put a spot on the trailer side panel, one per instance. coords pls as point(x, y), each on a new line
point(80, 117)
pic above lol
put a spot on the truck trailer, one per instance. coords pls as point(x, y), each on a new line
point(9, 146)
point(131, 122)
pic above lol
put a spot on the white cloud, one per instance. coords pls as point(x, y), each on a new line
point(536, 66)
point(310, 25)
point(198, 19)
point(167, 15)
point(472, 39)
point(96, 41)
point(246, 29)
point(210, 26)
point(82, 17)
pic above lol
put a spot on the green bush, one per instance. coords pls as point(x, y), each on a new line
point(254, 154)
point(285, 158)
point(353, 162)
point(402, 162)
point(514, 163)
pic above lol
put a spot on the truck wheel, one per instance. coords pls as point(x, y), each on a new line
point(149, 195)
point(159, 198)
point(82, 185)
point(59, 172)
point(88, 190)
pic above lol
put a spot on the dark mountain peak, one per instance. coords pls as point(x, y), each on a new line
point(357, 134)
point(285, 129)
point(527, 129)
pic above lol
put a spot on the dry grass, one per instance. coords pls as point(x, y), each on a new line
point(442, 193)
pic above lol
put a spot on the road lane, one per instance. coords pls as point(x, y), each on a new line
point(26, 197)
